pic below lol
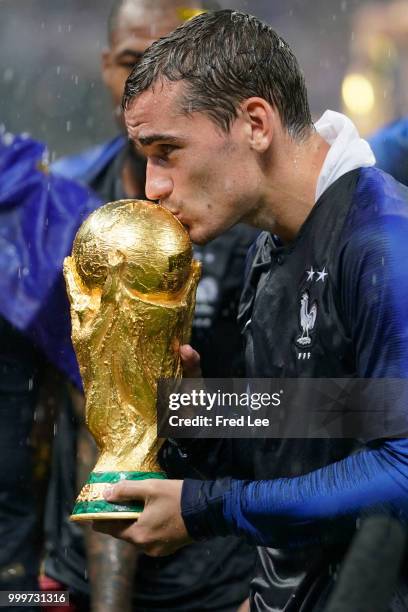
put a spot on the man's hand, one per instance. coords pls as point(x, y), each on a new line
point(190, 360)
point(160, 529)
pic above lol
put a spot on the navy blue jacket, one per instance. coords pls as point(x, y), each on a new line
point(350, 259)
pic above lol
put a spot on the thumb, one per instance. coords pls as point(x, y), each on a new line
point(126, 490)
point(190, 360)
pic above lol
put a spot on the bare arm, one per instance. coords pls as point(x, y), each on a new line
point(111, 562)
point(111, 565)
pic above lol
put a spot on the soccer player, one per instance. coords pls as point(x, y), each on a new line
point(214, 576)
point(219, 107)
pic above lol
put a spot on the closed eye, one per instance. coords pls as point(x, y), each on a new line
point(159, 147)
point(164, 151)
point(128, 65)
point(128, 58)
point(167, 149)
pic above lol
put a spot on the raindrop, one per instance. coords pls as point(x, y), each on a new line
point(68, 126)
point(46, 158)
point(42, 25)
point(58, 70)
point(76, 79)
point(69, 27)
point(30, 384)
point(8, 75)
point(8, 139)
point(343, 6)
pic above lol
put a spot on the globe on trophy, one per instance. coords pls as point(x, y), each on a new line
point(131, 281)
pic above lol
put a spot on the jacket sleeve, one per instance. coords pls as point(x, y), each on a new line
point(282, 511)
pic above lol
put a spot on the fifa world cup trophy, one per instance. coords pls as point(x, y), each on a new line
point(131, 281)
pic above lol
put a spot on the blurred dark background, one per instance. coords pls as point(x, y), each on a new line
point(50, 83)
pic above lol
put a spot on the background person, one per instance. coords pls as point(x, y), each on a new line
point(39, 214)
point(387, 26)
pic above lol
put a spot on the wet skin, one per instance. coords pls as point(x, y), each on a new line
point(206, 177)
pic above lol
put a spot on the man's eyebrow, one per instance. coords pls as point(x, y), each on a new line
point(153, 138)
point(136, 55)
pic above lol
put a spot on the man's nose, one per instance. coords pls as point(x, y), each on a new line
point(158, 185)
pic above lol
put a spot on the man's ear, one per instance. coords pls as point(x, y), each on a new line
point(260, 118)
point(106, 63)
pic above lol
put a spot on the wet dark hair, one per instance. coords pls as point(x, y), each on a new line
point(225, 57)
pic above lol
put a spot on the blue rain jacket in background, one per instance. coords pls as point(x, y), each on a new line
point(40, 214)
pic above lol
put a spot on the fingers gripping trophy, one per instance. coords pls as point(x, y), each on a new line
point(131, 281)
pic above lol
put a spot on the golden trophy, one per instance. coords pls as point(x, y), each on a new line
point(131, 281)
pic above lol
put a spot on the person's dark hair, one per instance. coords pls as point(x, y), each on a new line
point(113, 18)
point(225, 57)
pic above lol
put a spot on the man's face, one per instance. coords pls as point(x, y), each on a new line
point(207, 178)
point(138, 26)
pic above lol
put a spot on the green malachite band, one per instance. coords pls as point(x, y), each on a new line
point(111, 477)
point(88, 507)
point(104, 506)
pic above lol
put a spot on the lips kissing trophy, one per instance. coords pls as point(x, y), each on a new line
point(131, 281)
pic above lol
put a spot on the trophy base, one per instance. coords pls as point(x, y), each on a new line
point(91, 505)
